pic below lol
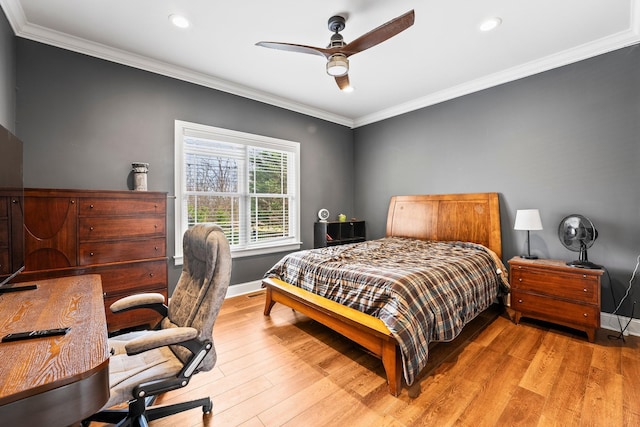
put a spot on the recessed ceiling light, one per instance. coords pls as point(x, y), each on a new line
point(179, 21)
point(490, 24)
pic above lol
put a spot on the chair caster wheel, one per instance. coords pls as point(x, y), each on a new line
point(206, 409)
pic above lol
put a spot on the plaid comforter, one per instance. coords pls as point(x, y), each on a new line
point(423, 291)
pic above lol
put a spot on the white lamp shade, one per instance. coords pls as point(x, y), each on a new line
point(528, 219)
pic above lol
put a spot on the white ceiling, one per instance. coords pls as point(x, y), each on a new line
point(442, 56)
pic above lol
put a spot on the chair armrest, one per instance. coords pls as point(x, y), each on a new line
point(160, 338)
point(154, 301)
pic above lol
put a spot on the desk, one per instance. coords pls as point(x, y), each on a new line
point(54, 381)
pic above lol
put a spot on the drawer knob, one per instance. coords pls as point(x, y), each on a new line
point(156, 248)
point(90, 228)
point(150, 274)
point(520, 280)
point(584, 276)
point(585, 315)
point(584, 290)
point(90, 206)
point(90, 253)
point(72, 201)
point(155, 225)
point(520, 301)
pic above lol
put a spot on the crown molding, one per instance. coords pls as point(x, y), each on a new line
point(29, 31)
point(24, 29)
point(585, 51)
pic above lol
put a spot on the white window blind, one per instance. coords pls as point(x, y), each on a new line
point(245, 183)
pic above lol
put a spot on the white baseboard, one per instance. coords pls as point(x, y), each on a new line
point(243, 288)
point(610, 321)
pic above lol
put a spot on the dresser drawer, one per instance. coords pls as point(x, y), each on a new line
point(121, 207)
point(555, 310)
point(92, 229)
point(133, 278)
point(105, 252)
point(579, 286)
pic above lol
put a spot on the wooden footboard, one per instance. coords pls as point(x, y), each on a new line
point(368, 331)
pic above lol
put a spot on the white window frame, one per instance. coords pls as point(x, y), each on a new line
point(187, 129)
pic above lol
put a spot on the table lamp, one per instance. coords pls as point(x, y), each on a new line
point(528, 219)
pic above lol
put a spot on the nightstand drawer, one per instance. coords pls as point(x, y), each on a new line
point(555, 310)
point(579, 286)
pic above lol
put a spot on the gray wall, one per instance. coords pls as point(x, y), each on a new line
point(564, 141)
point(7, 75)
point(84, 121)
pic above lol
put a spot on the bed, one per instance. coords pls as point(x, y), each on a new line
point(373, 292)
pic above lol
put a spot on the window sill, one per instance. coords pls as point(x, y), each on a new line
point(241, 253)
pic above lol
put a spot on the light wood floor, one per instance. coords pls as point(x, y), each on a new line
point(286, 370)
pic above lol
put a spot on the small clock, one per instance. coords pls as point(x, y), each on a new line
point(323, 215)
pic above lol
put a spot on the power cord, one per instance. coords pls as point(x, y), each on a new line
point(626, 294)
point(633, 276)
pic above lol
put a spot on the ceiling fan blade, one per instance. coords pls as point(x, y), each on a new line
point(290, 47)
point(343, 81)
point(380, 34)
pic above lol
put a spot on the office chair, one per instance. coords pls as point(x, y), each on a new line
point(145, 364)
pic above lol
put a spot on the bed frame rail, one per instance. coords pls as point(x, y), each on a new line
point(368, 331)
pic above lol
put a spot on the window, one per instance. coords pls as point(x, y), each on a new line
point(247, 184)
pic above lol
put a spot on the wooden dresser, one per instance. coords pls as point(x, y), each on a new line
point(552, 291)
point(120, 235)
point(11, 239)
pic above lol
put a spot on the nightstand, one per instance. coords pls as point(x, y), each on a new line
point(549, 290)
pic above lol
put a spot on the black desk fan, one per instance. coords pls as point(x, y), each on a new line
point(577, 233)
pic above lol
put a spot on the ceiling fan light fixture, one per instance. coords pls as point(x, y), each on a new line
point(337, 65)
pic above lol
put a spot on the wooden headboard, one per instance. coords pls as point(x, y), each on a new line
point(471, 217)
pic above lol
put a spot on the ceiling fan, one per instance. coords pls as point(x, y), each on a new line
point(338, 52)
